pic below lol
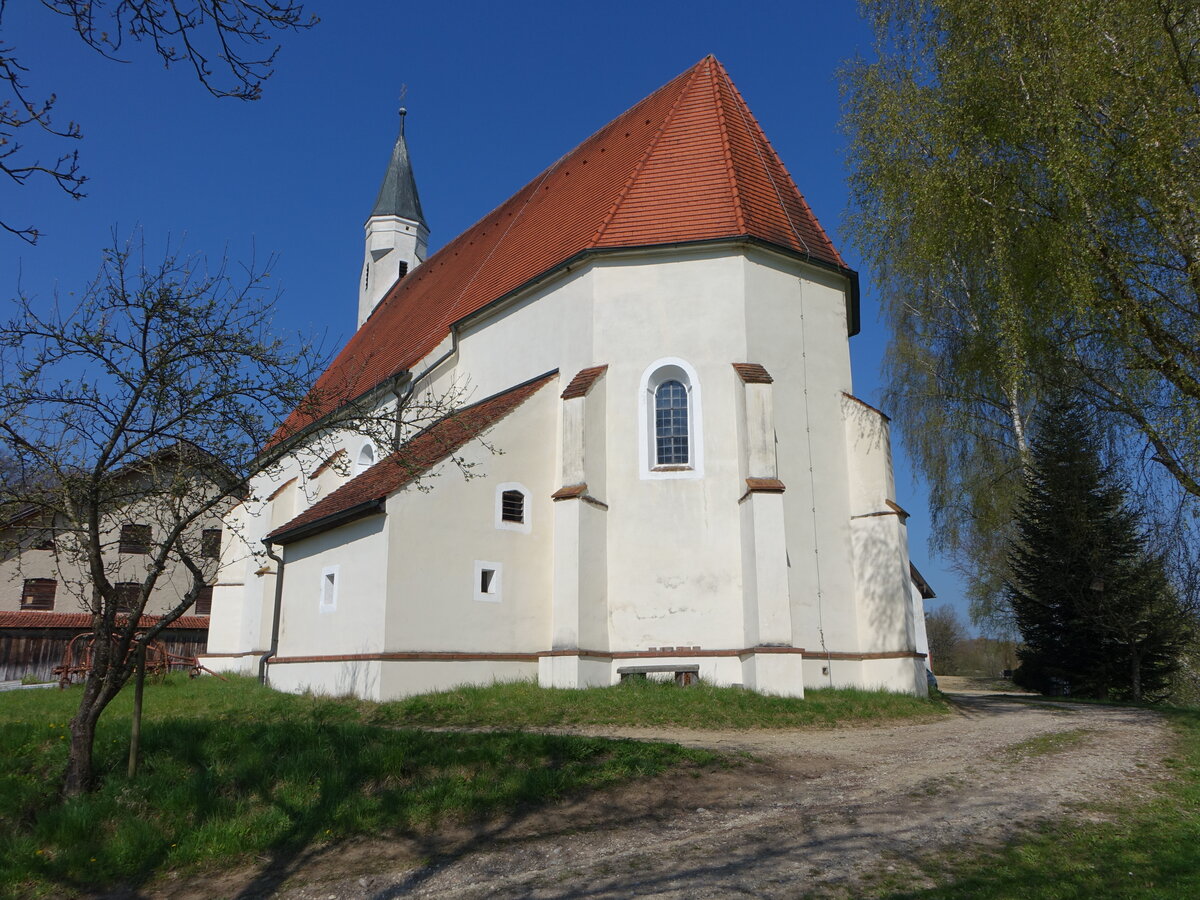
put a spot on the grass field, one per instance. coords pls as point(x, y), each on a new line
point(523, 704)
point(232, 771)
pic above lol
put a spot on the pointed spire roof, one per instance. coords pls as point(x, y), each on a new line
point(398, 193)
point(687, 164)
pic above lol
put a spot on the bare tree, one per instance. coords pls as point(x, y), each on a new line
point(157, 399)
point(946, 634)
point(227, 43)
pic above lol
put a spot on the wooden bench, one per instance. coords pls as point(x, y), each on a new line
point(684, 674)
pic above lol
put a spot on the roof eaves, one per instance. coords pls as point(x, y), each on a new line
point(566, 265)
point(325, 523)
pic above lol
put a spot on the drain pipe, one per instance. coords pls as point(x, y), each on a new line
point(262, 663)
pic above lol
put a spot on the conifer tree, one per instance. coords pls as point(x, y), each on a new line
point(1094, 607)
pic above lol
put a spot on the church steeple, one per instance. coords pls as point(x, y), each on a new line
point(396, 234)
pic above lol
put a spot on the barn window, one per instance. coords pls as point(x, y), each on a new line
point(210, 543)
point(38, 593)
point(203, 605)
point(129, 595)
point(670, 441)
point(135, 539)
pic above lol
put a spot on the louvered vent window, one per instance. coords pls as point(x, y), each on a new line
point(210, 543)
point(403, 270)
point(203, 605)
point(512, 506)
point(135, 539)
point(38, 593)
point(128, 595)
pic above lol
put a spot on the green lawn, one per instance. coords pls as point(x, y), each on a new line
point(233, 772)
point(1149, 852)
point(523, 704)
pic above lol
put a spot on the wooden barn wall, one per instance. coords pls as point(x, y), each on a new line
point(36, 651)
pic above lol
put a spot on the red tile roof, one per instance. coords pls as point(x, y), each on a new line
point(688, 163)
point(583, 381)
point(31, 619)
point(411, 461)
point(753, 373)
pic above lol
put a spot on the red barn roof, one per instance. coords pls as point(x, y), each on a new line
point(33, 619)
point(688, 163)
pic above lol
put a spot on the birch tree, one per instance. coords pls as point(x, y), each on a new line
point(1026, 188)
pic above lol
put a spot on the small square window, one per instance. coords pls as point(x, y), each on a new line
point(135, 539)
point(203, 605)
point(329, 589)
point(38, 593)
point(210, 543)
point(129, 595)
point(488, 582)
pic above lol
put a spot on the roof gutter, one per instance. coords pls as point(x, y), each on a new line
point(853, 317)
point(333, 520)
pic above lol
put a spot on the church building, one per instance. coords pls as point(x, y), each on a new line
point(668, 468)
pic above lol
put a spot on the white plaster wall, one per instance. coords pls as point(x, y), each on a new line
point(674, 545)
point(437, 536)
point(403, 678)
point(357, 677)
point(796, 328)
point(355, 625)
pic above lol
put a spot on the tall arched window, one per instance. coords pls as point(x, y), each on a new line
point(366, 458)
point(671, 424)
point(670, 437)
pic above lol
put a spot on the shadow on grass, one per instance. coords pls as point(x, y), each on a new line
point(216, 791)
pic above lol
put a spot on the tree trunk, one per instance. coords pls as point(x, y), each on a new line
point(1135, 664)
point(135, 734)
point(79, 775)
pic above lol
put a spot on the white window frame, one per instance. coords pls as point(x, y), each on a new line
point(327, 599)
point(522, 527)
point(495, 595)
point(669, 368)
point(367, 448)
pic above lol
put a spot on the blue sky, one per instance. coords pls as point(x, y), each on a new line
point(495, 93)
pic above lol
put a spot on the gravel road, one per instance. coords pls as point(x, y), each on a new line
point(813, 811)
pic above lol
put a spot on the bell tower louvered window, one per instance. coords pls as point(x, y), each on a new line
point(512, 506)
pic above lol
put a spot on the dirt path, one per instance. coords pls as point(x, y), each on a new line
point(814, 810)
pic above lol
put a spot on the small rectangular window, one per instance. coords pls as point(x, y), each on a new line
point(135, 539)
point(203, 605)
point(488, 584)
point(129, 595)
point(210, 543)
point(329, 589)
point(38, 593)
point(512, 506)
